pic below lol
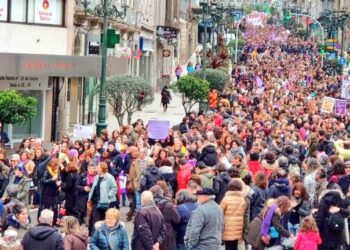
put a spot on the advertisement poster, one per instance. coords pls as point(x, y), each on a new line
point(46, 11)
point(340, 107)
point(345, 90)
point(328, 105)
point(3, 10)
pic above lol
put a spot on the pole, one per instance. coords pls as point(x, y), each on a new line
point(342, 45)
point(321, 27)
point(102, 99)
point(236, 37)
point(205, 13)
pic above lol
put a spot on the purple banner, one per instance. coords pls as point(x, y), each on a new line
point(158, 129)
point(340, 107)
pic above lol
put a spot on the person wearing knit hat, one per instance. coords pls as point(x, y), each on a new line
point(22, 182)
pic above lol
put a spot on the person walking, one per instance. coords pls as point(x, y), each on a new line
point(178, 72)
point(204, 228)
point(149, 225)
point(74, 238)
point(235, 214)
point(102, 195)
point(110, 234)
point(43, 236)
point(166, 97)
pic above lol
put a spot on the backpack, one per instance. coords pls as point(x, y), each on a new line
point(335, 221)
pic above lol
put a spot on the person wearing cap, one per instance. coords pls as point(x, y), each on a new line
point(205, 226)
point(22, 182)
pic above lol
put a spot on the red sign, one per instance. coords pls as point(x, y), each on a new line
point(136, 54)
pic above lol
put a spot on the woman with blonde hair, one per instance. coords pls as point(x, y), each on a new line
point(75, 238)
point(266, 228)
point(110, 234)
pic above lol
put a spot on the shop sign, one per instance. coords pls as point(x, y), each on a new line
point(23, 82)
point(46, 11)
point(56, 65)
point(3, 10)
point(166, 52)
point(166, 32)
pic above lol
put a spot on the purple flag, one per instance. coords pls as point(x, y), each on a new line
point(340, 107)
point(158, 129)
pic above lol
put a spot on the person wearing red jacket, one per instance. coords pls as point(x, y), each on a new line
point(254, 165)
point(183, 175)
point(308, 237)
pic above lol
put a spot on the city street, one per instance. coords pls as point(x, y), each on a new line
point(266, 165)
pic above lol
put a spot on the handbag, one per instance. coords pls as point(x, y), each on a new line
point(102, 206)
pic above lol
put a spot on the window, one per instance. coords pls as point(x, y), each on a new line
point(48, 12)
point(18, 11)
point(3, 10)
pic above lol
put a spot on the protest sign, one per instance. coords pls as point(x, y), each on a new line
point(340, 107)
point(158, 129)
point(81, 131)
point(328, 105)
point(345, 90)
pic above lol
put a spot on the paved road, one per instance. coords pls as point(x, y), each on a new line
point(174, 114)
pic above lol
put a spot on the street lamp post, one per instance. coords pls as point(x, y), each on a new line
point(236, 37)
point(205, 6)
point(106, 10)
point(321, 27)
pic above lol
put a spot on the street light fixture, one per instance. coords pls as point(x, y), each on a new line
point(106, 10)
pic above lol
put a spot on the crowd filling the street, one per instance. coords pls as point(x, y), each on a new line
point(267, 166)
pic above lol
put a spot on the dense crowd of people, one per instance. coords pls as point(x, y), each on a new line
point(263, 168)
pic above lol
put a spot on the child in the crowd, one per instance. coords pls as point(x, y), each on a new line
point(308, 236)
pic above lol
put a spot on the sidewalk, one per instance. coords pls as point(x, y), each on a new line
point(174, 114)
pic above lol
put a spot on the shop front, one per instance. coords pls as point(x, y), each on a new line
point(42, 77)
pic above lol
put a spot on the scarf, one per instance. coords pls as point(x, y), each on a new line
point(90, 179)
point(267, 220)
point(52, 172)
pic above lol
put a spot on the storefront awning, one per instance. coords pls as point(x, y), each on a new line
point(54, 65)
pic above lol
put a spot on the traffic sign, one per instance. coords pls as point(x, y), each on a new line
point(342, 60)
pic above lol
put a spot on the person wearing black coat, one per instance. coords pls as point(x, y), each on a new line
point(171, 217)
point(69, 187)
point(149, 225)
point(43, 236)
point(51, 182)
point(183, 127)
point(259, 196)
point(220, 182)
point(84, 184)
point(331, 201)
point(208, 155)
point(151, 174)
point(186, 203)
point(122, 162)
point(166, 97)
